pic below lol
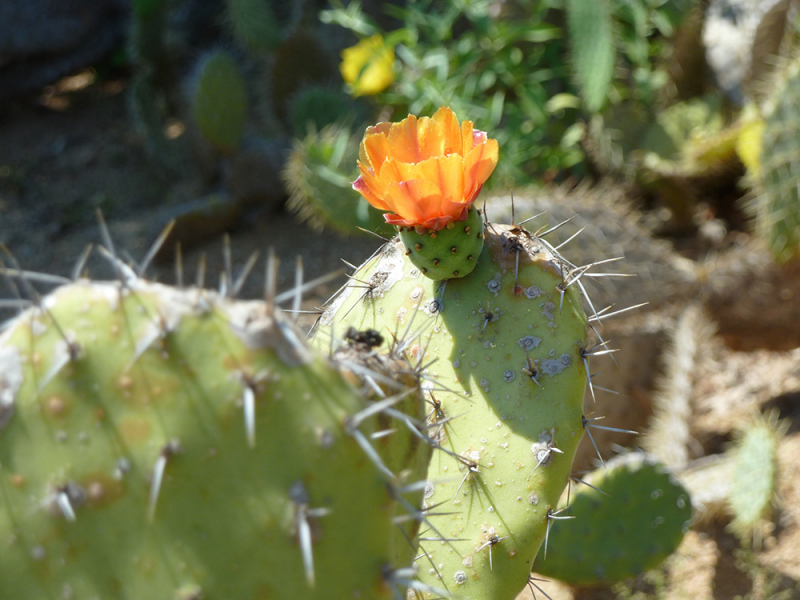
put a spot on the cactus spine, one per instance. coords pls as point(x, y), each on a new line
point(502, 349)
point(170, 443)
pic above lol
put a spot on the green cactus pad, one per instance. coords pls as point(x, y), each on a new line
point(591, 36)
point(778, 207)
point(754, 481)
point(315, 107)
point(254, 25)
point(320, 187)
point(500, 350)
point(451, 252)
point(220, 103)
point(635, 518)
point(163, 443)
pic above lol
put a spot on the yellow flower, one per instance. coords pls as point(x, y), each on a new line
point(368, 66)
point(426, 171)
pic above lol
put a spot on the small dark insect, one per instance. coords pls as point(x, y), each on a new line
point(512, 243)
point(369, 337)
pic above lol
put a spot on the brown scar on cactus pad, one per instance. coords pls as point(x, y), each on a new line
point(500, 352)
point(158, 442)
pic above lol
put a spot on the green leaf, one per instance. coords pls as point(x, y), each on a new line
point(591, 39)
point(560, 102)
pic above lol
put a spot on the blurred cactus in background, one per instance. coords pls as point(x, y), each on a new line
point(319, 176)
point(775, 167)
point(220, 101)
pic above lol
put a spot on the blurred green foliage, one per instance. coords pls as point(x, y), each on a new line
point(526, 71)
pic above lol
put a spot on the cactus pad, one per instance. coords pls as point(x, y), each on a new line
point(631, 522)
point(778, 208)
point(253, 24)
point(220, 104)
point(318, 178)
point(754, 481)
point(163, 443)
point(500, 350)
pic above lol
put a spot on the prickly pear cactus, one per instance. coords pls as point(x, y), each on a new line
point(317, 106)
point(754, 479)
point(318, 175)
point(253, 24)
point(631, 519)
point(165, 443)
point(778, 205)
point(220, 103)
point(502, 351)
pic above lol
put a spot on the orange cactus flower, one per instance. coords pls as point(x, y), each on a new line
point(425, 172)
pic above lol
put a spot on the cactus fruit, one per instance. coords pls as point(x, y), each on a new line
point(318, 177)
point(170, 443)
point(219, 101)
point(449, 252)
point(632, 517)
point(502, 350)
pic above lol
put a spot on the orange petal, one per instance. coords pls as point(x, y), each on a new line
point(466, 137)
point(398, 220)
point(377, 149)
point(412, 199)
point(451, 213)
point(450, 131)
point(380, 128)
point(431, 142)
point(383, 127)
point(447, 173)
point(478, 165)
point(370, 186)
point(394, 171)
point(404, 141)
point(437, 223)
